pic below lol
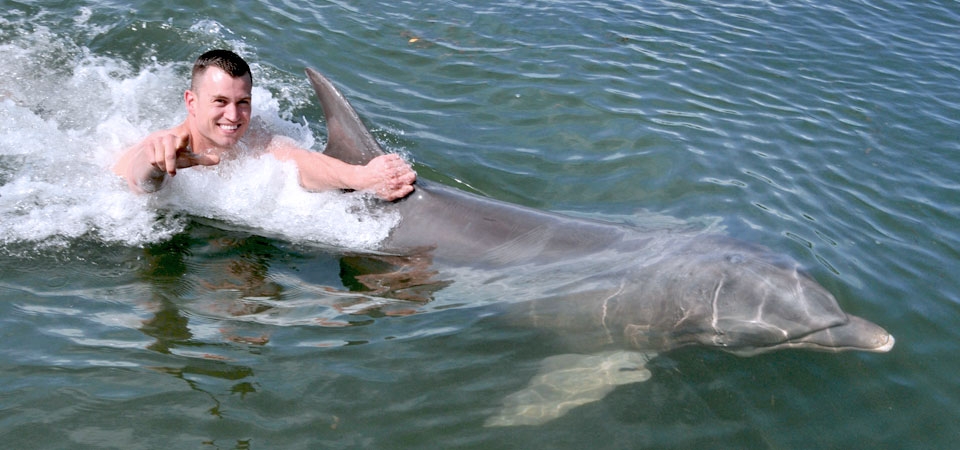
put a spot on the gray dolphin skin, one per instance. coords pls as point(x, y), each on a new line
point(610, 286)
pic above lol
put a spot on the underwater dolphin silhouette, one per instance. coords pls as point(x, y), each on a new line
point(636, 291)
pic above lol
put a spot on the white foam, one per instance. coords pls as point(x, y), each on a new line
point(61, 129)
point(264, 194)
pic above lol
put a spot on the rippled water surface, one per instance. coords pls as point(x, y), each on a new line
point(226, 313)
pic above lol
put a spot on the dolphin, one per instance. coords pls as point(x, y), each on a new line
point(623, 293)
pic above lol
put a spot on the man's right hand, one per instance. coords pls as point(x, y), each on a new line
point(170, 151)
point(146, 165)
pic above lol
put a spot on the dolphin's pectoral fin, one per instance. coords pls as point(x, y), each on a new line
point(567, 381)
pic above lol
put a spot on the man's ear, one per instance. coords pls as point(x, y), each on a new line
point(190, 99)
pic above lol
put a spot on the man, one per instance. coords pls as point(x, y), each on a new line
point(218, 117)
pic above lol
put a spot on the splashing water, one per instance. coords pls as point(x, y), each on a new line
point(63, 126)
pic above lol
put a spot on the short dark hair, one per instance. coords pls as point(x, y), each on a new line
point(225, 60)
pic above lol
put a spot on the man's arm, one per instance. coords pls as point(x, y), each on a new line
point(146, 165)
point(387, 176)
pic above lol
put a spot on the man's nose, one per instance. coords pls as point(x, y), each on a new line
point(231, 112)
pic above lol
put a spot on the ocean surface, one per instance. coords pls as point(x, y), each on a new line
point(222, 312)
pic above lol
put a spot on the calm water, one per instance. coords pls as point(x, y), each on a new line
point(220, 314)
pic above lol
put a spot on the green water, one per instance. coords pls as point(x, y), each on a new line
point(828, 133)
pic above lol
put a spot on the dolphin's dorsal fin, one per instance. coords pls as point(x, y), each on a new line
point(347, 137)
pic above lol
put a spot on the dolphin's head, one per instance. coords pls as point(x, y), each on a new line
point(743, 299)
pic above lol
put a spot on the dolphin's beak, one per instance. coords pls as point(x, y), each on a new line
point(855, 334)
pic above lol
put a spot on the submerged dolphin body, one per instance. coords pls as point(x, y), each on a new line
point(640, 290)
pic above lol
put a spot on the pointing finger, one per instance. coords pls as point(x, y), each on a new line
point(187, 159)
point(193, 159)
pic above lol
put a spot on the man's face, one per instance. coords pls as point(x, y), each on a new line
point(219, 110)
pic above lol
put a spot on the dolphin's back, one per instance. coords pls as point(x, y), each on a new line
point(458, 227)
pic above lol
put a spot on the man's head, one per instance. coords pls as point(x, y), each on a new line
point(225, 60)
point(219, 101)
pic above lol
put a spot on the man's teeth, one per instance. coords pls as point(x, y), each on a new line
point(230, 127)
